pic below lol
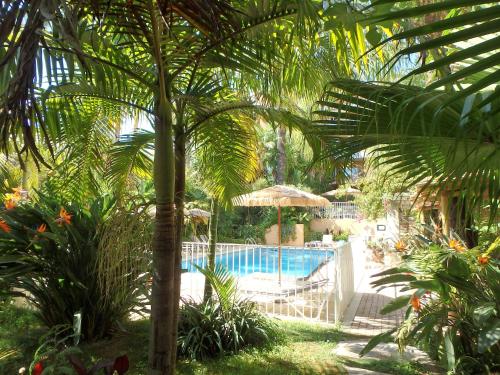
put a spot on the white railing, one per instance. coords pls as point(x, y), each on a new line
point(316, 284)
point(336, 210)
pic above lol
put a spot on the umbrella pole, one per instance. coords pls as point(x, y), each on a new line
point(279, 244)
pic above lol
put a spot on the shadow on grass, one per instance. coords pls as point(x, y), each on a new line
point(305, 349)
point(265, 364)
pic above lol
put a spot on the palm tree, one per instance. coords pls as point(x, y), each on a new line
point(464, 36)
point(133, 55)
point(407, 128)
point(449, 135)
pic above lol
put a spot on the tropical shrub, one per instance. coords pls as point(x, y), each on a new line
point(342, 236)
point(223, 324)
point(453, 311)
point(57, 256)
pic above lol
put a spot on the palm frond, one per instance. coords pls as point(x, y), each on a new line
point(130, 156)
point(455, 149)
point(465, 34)
point(225, 149)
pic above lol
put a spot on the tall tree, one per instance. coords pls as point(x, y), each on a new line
point(138, 55)
point(133, 54)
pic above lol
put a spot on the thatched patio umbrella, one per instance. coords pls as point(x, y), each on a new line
point(280, 196)
point(197, 214)
point(336, 192)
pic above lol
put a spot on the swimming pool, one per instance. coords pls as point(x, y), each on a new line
point(294, 262)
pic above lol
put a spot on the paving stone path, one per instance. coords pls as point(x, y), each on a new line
point(363, 320)
point(368, 321)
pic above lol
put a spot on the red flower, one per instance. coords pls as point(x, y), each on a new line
point(42, 228)
point(121, 365)
point(415, 302)
point(37, 369)
point(4, 226)
point(483, 259)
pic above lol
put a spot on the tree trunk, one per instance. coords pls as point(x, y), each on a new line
point(212, 242)
point(281, 162)
point(163, 331)
point(462, 222)
point(180, 187)
point(30, 174)
point(162, 348)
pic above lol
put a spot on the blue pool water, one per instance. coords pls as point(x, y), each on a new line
point(294, 262)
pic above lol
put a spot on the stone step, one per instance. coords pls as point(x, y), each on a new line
point(388, 351)
point(362, 371)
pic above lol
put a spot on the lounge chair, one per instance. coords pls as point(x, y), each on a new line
point(307, 298)
point(295, 298)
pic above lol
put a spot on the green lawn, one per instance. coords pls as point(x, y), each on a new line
point(304, 349)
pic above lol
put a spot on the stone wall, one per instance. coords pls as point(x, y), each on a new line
point(271, 236)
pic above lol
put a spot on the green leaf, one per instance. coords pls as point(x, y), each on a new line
point(392, 271)
point(434, 285)
point(395, 304)
point(457, 267)
point(450, 350)
point(483, 312)
point(393, 279)
point(380, 338)
point(489, 336)
point(373, 36)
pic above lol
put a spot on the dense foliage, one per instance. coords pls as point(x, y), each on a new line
point(453, 312)
point(378, 185)
point(50, 255)
point(223, 324)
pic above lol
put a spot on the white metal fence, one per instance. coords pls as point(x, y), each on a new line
point(337, 210)
point(316, 284)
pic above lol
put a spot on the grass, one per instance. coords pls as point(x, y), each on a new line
point(304, 349)
point(19, 334)
point(386, 366)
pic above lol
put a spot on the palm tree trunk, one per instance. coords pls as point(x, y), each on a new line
point(30, 174)
point(281, 163)
point(162, 348)
point(180, 187)
point(212, 242)
point(162, 295)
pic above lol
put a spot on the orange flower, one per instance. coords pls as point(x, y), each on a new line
point(456, 245)
point(64, 217)
point(10, 204)
point(4, 226)
point(400, 246)
point(483, 259)
point(42, 228)
point(17, 192)
point(415, 302)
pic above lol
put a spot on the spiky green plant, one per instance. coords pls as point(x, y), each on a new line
point(223, 324)
point(453, 310)
point(52, 258)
